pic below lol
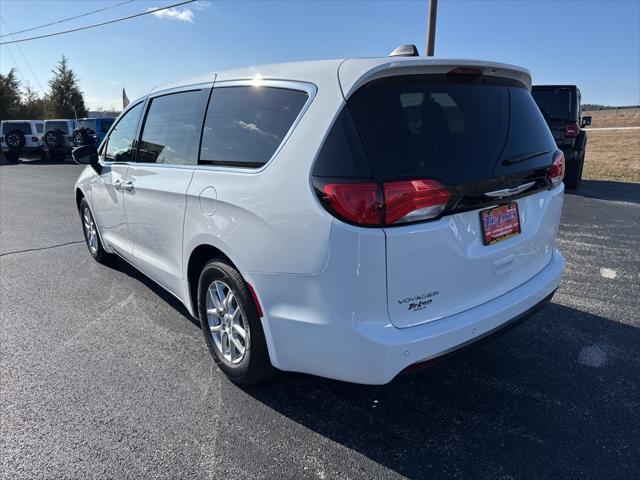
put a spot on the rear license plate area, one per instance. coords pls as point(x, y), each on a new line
point(500, 223)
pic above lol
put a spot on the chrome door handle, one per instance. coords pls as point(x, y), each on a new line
point(128, 186)
point(117, 184)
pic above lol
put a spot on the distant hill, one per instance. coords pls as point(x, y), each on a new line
point(595, 106)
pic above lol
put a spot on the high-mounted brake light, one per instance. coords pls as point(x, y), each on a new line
point(556, 172)
point(376, 204)
point(465, 71)
point(571, 130)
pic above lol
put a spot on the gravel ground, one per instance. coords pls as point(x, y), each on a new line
point(104, 375)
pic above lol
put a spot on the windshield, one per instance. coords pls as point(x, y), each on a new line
point(454, 130)
point(24, 127)
point(55, 125)
point(555, 103)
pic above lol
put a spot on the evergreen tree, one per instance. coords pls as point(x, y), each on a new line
point(65, 95)
point(9, 95)
point(33, 106)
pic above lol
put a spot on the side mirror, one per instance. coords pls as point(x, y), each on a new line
point(87, 155)
point(586, 121)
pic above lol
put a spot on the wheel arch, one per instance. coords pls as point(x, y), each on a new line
point(198, 258)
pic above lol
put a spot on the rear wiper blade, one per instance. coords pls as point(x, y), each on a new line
point(523, 157)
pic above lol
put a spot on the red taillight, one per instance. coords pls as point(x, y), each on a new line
point(413, 200)
point(355, 202)
point(34, 139)
point(376, 205)
point(571, 130)
point(556, 172)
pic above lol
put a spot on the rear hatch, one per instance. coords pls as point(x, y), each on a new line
point(466, 143)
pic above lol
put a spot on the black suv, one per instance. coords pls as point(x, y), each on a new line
point(560, 105)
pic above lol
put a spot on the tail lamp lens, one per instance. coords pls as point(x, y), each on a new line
point(355, 202)
point(414, 200)
point(571, 130)
point(376, 205)
point(556, 172)
point(34, 139)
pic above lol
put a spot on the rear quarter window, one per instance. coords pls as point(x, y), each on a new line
point(245, 125)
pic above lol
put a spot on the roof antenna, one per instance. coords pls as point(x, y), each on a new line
point(405, 51)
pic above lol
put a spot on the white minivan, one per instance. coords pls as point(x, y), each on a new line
point(345, 218)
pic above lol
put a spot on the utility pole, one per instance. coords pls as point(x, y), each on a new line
point(431, 27)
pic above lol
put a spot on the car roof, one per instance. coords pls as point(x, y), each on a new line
point(60, 120)
point(350, 71)
point(13, 120)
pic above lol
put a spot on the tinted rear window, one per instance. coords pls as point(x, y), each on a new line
point(24, 127)
point(452, 130)
point(90, 124)
point(245, 125)
point(556, 103)
point(39, 127)
point(172, 128)
point(62, 126)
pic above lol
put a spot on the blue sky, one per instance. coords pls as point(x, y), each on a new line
point(594, 44)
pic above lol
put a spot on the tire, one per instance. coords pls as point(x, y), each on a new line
point(12, 155)
point(81, 136)
point(53, 139)
point(15, 140)
point(91, 237)
point(242, 367)
point(573, 176)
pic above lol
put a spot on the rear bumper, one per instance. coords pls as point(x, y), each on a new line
point(373, 351)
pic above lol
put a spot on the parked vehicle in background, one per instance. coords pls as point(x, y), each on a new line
point(91, 131)
point(345, 218)
point(18, 137)
point(560, 105)
point(58, 138)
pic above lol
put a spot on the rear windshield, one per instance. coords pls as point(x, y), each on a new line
point(90, 124)
point(39, 127)
point(62, 126)
point(555, 103)
point(454, 130)
point(105, 125)
point(24, 127)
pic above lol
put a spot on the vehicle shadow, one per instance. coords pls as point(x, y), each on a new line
point(116, 263)
point(607, 190)
point(557, 397)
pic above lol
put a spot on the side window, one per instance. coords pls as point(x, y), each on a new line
point(171, 130)
point(245, 125)
point(120, 143)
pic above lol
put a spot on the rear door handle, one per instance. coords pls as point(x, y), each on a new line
point(128, 186)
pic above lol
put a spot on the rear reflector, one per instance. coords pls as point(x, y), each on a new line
point(255, 300)
point(556, 172)
point(414, 200)
point(376, 204)
point(571, 130)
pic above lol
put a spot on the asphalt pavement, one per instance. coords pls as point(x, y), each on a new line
point(104, 375)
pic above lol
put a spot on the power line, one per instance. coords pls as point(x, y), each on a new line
point(97, 24)
point(23, 57)
point(66, 19)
